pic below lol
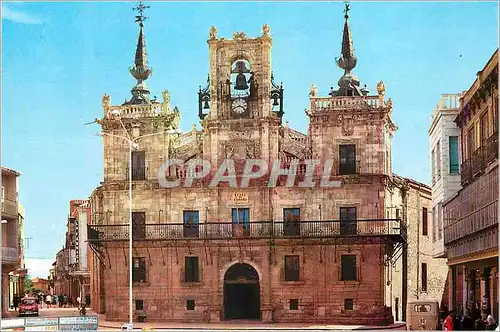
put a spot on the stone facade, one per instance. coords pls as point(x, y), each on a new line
point(242, 239)
point(407, 279)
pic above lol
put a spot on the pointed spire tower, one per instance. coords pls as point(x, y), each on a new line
point(348, 83)
point(141, 72)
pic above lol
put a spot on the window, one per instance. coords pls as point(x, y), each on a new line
point(292, 268)
point(294, 304)
point(138, 225)
point(424, 277)
point(424, 222)
point(139, 269)
point(190, 304)
point(348, 224)
point(241, 219)
point(435, 222)
point(348, 267)
point(348, 304)
point(397, 213)
point(433, 165)
point(138, 165)
point(191, 269)
point(191, 225)
point(438, 159)
point(139, 305)
point(347, 159)
point(470, 142)
point(291, 218)
point(440, 220)
point(484, 128)
point(453, 147)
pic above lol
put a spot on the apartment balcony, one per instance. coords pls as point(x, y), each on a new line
point(466, 172)
point(354, 229)
point(10, 255)
point(77, 270)
point(9, 208)
point(492, 148)
point(477, 163)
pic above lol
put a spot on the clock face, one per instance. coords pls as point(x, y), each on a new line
point(239, 106)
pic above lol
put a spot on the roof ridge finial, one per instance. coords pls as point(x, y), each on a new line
point(141, 70)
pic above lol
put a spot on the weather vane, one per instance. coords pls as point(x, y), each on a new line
point(140, 8)
point(346, 10)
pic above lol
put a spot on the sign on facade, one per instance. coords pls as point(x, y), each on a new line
point(240, 198)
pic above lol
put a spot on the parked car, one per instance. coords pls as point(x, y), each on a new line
point(28, 306)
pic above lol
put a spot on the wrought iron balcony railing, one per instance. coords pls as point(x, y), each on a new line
point(250, 230)
point(466, 172)
point(478, 161)
point(492, 148)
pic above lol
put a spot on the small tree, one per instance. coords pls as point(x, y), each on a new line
point(28, 284)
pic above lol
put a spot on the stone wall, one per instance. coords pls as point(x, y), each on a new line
point(320, 292)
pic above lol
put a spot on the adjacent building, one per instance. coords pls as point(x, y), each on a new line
point(71, 275)
point(41, 284)
point(282, 254)
point(12, 244)
point(414, 274)
point(471, 214)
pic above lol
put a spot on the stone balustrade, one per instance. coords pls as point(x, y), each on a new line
point(135, 111)
point(341, 103)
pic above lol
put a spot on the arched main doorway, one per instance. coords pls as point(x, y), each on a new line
point(241, 292)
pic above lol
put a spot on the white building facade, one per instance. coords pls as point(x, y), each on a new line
point(444, 141)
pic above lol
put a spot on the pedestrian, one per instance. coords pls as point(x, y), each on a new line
point(48, 300)
point(15, 301)
point(448, 322)
point(490, 322)
point(79, 301)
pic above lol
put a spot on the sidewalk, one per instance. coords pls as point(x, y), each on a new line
point(245, 325)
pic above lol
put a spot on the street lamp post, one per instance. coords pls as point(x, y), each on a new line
point(132, 145)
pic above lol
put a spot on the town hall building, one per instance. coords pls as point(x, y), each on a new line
point(271, 253)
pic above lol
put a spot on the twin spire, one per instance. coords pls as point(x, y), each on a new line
point(348, 83)
point(141, 71)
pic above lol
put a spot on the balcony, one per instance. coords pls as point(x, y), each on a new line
point(253, 230)
point(492, 148)
point(10, 255)
point(466, 172)
point(9, 208)
point(76, 269)
point(477, 164)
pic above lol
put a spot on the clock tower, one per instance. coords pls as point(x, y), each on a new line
point(241, 107)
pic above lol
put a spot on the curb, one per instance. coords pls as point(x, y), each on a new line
point(391, 327)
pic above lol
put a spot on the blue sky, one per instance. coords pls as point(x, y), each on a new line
point(58, 60)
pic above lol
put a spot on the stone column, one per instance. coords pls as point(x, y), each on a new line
point(485, 290)
point(5, 293)
point(465, 289)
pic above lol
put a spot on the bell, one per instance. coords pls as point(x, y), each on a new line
point(241, 82)
point(206, 106)
point(275, 102)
